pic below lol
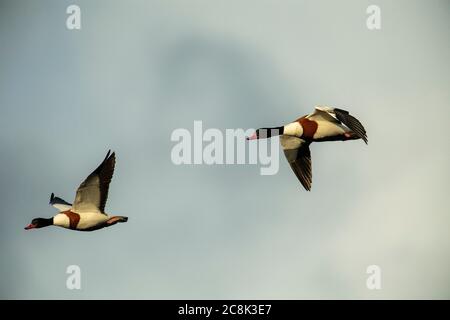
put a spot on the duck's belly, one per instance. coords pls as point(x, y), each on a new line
point(327, 129)
point(79, 221)
point(89, 220)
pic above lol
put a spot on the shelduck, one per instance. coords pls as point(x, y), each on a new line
point(324, 124)
point(87, 213)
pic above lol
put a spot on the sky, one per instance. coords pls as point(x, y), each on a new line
point(138, 70)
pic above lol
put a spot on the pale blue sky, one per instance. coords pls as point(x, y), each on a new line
point(137, 70)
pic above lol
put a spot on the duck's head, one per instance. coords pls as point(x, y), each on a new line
point(39, 223)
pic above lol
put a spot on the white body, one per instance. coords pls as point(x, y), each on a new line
point(87, 220)
point(293, 129)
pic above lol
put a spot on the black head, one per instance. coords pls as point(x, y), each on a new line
point(39, 223)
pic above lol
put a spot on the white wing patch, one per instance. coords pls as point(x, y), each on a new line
point(62, 207)
point(88, 196)
point(322, 113)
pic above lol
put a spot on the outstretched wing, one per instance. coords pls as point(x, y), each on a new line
point(93, 192)
point(298, 155)
point(59, 203)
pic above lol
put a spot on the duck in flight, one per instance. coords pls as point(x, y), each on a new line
point(87, 213)
point(324, 124)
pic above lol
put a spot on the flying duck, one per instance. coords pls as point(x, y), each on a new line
point(324, 124)
point(87, 213)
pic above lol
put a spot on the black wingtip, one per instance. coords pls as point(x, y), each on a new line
point(52, 196)
point(109, 155)
point(341, 110)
